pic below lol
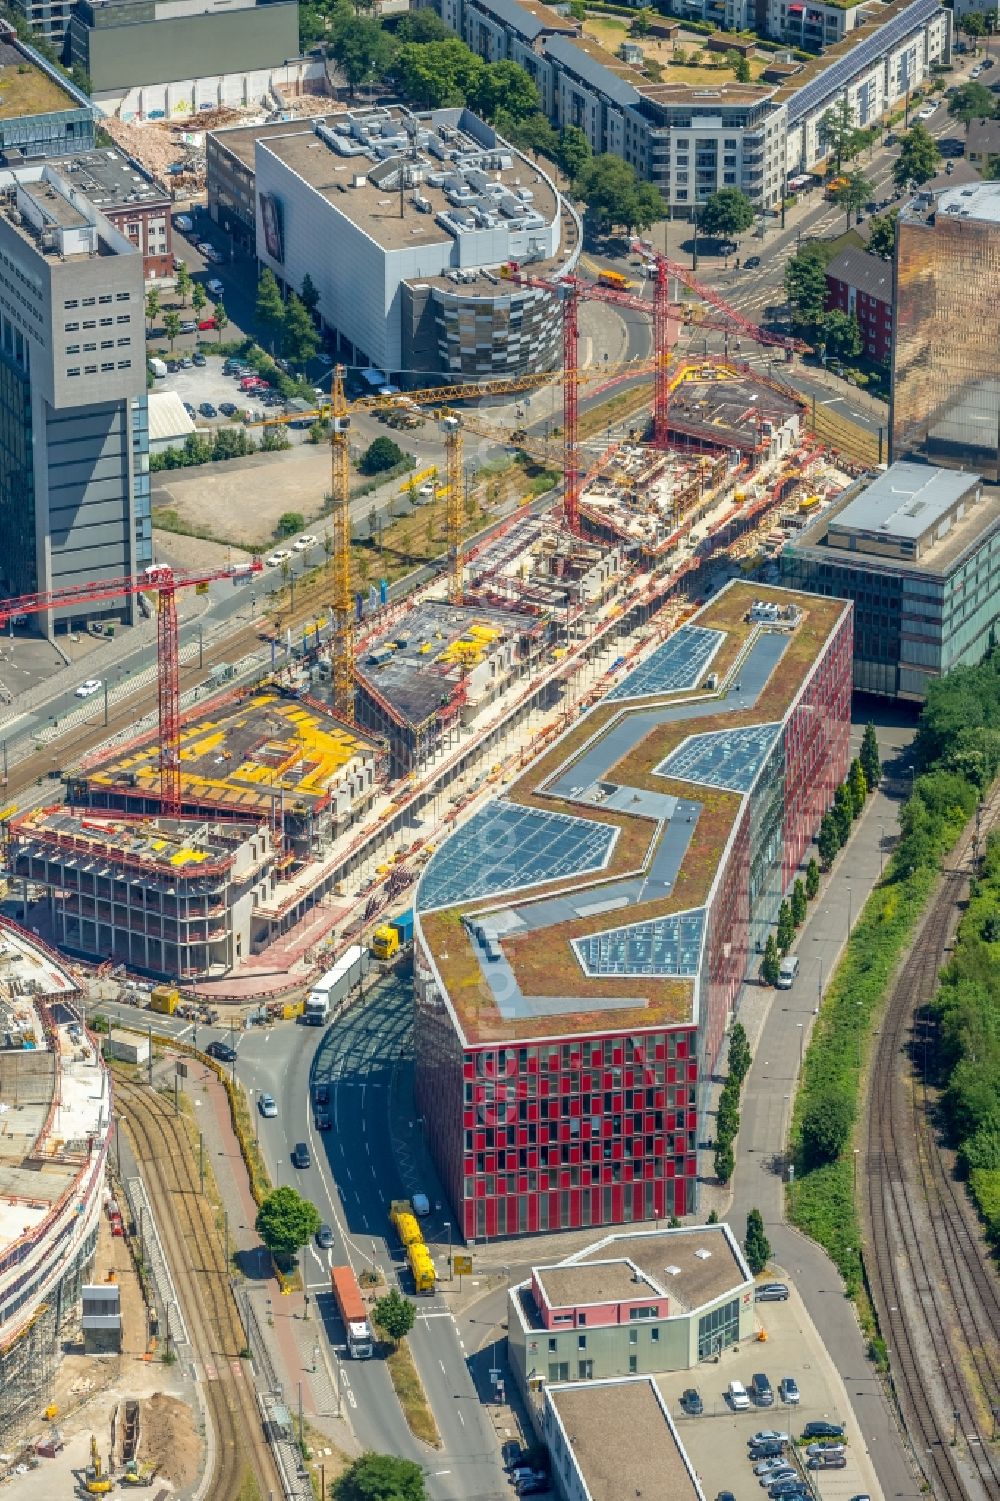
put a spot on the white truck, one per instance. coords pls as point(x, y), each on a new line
point(331, 988)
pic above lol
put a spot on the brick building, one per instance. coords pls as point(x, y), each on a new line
point(860, 284)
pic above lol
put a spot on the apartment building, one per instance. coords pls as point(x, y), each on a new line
point(74, 482)
point(860, 285)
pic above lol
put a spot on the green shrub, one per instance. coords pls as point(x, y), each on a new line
point(985, 1185)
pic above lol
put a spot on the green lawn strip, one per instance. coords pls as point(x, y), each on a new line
point(410, 1390)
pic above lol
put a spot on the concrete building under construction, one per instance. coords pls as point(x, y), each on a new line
point(167, 897)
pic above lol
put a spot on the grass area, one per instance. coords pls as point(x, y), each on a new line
point(638, 399)
point(26, 90)
point(249, 1489)
point(412, 1397)
point(609, 32)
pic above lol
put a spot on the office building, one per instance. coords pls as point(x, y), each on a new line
point(860, 285)
point(53, 1148)
point(611, 1439)
point(119, 189)
point(637, 1303)
point(74, 482)
point(580, 943)
point(403, 222)
point(946, 357)
point(42, 114)
point(156, 59)
point(918, 553)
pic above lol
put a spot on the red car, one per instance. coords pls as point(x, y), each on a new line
point(206, 323)
point(251, 383)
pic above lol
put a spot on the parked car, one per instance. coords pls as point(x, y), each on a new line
point(198, 359)
point(277, 557)
point(770, 1436)
point(771, 1292)
point(190, 410)
point(767, 1451)
point(827, 1462)
point(303, 543)
point(222, 1051)
point(785, 1473)
point(692, 1403)
point(189, 326)
point(228, 408)
point(738, 1399)
point(267, 1106)
point(213, 255)
point(204, 246)
point(215, 287)
point(207, 409)
point(421, 1204)
point(184, 223)
point(301, 1155)
point(324, 1237)
point(770, 1466)
point(88, 688)
point(789, 1391)
point(532, 1486)
point(185, 362)
point(322, 1121)
point(762, 1393)
point(752, 262)
point(820, 1429)
point(830, 1448)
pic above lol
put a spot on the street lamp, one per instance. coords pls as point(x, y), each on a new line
point(802, 1041)
point(447, 1226)
point(857, 1153)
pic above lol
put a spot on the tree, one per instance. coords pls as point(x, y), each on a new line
point(799, 904)
point(740, 1057)
point(843, 812)
point(286, 1222)
point(858, 787)
point(535, 134)
point(838, 131)
point(363, 51)
point(290, 522)
point(504, 88)
point(972, 101)
point(742, 70)
point(395, 1314)
point(299, 339)
point(805, 286)
point(309, 295)
point(828, 839)
point(198, 299)
point(641, 21)
point(152, 305)
point(380, 455)
point(220, 320)
point(974, 25)
point(812, 881)
point(853, 193)
point(826, 1126)
point(436, 75)
point(422, 26)
point(171, 326)
point(882, 234)
point(728, 1113)
point(726, 215)
point(870, 763)
point(771, 962)
point(786, 928)
point(756, 1247)
point(572, 151)
point(380, 1477)
point(270, 309)
point(725, 1161)
point(840, 333)
point(991, 172)
point(615, 196)
point(918, 158)
point(578, 9)
point(182, 283)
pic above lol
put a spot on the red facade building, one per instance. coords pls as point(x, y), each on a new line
point(581, 942)
point(860, 284)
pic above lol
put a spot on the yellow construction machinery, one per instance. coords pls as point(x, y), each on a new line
point(138, 1472)
point(96, 1483)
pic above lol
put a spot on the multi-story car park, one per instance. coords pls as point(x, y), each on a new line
point(580, 943)
point(52, 1158)
point(401, 221)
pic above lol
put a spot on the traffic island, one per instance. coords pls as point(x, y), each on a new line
point(409, 1389)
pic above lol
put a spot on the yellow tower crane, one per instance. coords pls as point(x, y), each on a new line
point(452, 429)
point(342, 607)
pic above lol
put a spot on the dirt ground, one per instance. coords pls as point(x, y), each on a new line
point(241, 501)
point(168, 1440)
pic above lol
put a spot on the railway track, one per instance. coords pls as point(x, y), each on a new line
point(191, 1241)
point(937, 1298)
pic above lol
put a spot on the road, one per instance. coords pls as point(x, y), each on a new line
point(357, 1167)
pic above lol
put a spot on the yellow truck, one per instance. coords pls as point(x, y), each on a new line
point(165, 1000)
point(422, 1267)
point(385, 942)
point(405, 1222)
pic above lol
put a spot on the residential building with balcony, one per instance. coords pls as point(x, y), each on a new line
point(860, 285)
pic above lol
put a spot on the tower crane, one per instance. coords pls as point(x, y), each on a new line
point(452, 429)
point(342, 665)
point(165, 581)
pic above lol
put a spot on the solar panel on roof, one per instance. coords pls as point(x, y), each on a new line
point(662, 946)
point(678, 663)
point(505, 847)
point(729, 759)
point(861, 55)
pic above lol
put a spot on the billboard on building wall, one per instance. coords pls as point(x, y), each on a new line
point(274, 239)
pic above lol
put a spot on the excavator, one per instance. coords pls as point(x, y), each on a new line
point(138, 1472)
point(96, 1483)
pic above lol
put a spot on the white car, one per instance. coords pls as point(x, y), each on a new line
point(303, 543)
point(279, 556)
point(738, 1399)
point(215, 287)
point(927, 111)
point(215, 256)
point(183, 223)
point(204, 247)
point(92, 685)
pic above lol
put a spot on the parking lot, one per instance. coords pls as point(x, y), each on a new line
point(716, 1441)
point(206, 383)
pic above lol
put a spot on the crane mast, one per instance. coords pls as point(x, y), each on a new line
point(453, 454)
point(343, 605)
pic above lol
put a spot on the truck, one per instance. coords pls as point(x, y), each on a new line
point(389, 937)
point(331, 988)
point(165, 999)
point(351, 1307)
point(159, 368)
point(404, 1221)
point(422, 1267)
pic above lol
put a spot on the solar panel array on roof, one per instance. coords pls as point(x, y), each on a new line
point(504, 847)
point(831, 80)
point(589, 71)
point(678, 663)
point(662, 946)
point(725, 758)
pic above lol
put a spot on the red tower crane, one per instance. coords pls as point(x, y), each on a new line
point(166, 581)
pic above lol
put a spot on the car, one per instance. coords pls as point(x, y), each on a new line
point(421, 1204)
point(322, 1121)
point(324, 1237)
point(788, 1390)
point(213, 255)
point(267, 1105)
point(215, 287)
point(222, 1051)
point(190, 410)
point(189, 326)
point(770, 1436)
point(185, 362)
point(774, 1476)
point(511, 1454)
point(198, 359)
point(738, 1399)
point(303, 543)
point(762, 1393)
point(790, 1489)
point(770, 1466)
point(692, 1403)
point(863, 1496)
point(751, 263)
point(987, 63)
point(974, 73)
point(821, 1429)
point(204, 246)
point(827, 1462)
point(324, 358)
point(767, 1451)
point(277, 557)
point(522, 1471)
point(88, 688)
point(184, 223)
point(321, 1094)
point(892, 139)
point(301, 1155)
point(725, 1496)
point(771, 1292)
point(228, 408)
point(173, 366)
point(207, 409)
point(533, 1485)
point(831, 1448)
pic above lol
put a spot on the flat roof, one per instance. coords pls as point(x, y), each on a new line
point(694, 1265)
point(109, 180)
point(25, 89)
point(706, 93)
point(241, 140)
point(615, 1281)
point(576, 902)
point(979, 201)
point(623, 1441)
point(906, 501)
point(244, 753)
point(182, 848)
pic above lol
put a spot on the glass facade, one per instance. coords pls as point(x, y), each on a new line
point(946, 355)
point(17, 477)
point(719, 1328)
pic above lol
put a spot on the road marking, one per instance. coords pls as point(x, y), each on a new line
point(434, 1475)
point(461, 1416)
point(442, 1365)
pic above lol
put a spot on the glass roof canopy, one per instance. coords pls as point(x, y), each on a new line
point(504, 847)
point(662, 946)
point(678, 663)
point(729, 759)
